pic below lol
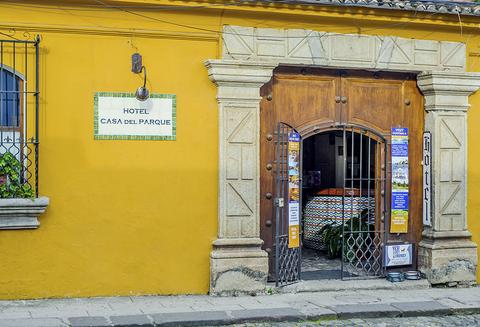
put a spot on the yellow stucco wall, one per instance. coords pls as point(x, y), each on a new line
point(138, 217)
point(473, 203)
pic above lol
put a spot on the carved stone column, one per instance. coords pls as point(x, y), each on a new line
point(446, 254)
point(238, 264)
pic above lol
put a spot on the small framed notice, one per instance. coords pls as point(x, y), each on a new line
point(120, 116)
point(398, 255)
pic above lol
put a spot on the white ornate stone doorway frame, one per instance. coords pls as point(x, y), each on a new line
point(446, 253)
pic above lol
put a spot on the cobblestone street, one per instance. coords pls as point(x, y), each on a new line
point(441, 321)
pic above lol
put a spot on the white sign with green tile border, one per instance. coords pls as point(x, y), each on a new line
point(120, 116)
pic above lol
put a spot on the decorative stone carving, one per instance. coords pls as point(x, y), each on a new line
point(238, 265)
point(21, 213)
point(446, 253)
point(341, 50)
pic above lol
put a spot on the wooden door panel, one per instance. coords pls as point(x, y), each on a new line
point(382, 104)
point(301, 99)
point(267, 174)
point(295, 99)
point(414, 119)
point(373, 103)
point(305, 99)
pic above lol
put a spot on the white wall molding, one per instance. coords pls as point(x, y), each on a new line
point(19, 213)
point(298, 46)
point(447, 90)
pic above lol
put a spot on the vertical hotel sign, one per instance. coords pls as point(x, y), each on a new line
point(399, 213)
point(427, 179)
point(293, 190)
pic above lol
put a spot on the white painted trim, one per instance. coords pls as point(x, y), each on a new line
point(11, 70)
point(22, 213)
point(358, 51)
point(25, 87)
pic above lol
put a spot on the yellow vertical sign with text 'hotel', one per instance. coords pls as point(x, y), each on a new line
point(293, 190)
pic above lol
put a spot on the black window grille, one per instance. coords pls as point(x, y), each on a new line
point(19, 113)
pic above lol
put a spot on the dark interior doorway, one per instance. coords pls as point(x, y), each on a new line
point(339, 205)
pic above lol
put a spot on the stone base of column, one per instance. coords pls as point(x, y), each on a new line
point(448, 258)
point(238, 266)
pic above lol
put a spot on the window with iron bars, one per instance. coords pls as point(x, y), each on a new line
point(19, 105)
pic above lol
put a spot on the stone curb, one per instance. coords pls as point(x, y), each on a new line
point(466, 311)
point(218, 318)
point(376, 310)
point(415, 309)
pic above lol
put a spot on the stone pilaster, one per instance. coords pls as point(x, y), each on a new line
point(446, 254)
point(237, 262)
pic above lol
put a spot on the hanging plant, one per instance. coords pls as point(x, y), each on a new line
point(12, 184)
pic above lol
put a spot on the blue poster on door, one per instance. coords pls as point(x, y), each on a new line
point(399, 204)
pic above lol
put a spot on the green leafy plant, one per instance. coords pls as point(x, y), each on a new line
point(332, 235)
point(332, 238)
point(356, 227)
point(12, 184)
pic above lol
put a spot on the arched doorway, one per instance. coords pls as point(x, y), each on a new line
point(342, 199)
point(344, 120)
point(330, 190)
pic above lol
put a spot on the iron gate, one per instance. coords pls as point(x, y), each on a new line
point(19, 117)
point(287, 259)
point(363, 202)
point(363, 205)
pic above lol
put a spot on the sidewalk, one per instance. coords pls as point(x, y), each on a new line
point(205, 310)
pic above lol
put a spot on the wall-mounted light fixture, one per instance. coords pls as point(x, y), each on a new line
point(142, 92)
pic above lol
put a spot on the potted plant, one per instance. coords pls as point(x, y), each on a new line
point(332, 235)
point(19, 208)
point(12, 184)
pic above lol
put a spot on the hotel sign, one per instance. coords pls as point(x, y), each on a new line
point(427, 179)
point(120, 116)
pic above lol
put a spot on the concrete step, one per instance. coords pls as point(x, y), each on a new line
point(331, 285)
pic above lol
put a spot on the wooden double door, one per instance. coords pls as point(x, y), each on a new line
point(313, 100)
